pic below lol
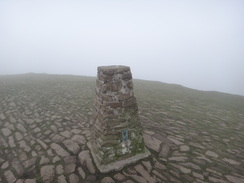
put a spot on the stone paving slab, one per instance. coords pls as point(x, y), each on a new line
point(44, 130)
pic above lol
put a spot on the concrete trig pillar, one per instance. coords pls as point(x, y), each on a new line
point(116, 138)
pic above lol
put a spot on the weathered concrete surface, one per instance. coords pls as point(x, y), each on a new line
point(118, 165)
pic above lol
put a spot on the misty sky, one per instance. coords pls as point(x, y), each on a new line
point(194, 43)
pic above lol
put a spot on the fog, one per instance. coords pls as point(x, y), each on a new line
point(194, 43)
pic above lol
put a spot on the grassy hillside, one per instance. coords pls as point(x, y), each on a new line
point(44, 120)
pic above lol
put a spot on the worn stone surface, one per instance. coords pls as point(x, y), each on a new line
point(233, 162)
point(5, 165)
point(148, 165)
point(18, 166)
point(86, 160)
point(2, 117)
point(119, 177)
point(212, 154)
point(44, 160)
point(47, 173)
point(200, 176)
point(165, 150)
point(137, 178)
point(139, 168)
point(107, 180)
point(69, 168)
point(72, 146)
point(59, 169)
point(29, 163)
point(235, 179)
point(61, 179)
point(59, 150)
point(152, 142)
point(73, 178)
point(30, 181)
point(9, 176)
point(184, 148)
point(197, 140)
point(82, 173)
point(6, 131)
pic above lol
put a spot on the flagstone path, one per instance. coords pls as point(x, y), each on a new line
point(44, 130)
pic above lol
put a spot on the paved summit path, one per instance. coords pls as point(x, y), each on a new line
point(44, 129)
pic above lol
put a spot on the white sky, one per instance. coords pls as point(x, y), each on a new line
point(195, 43)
